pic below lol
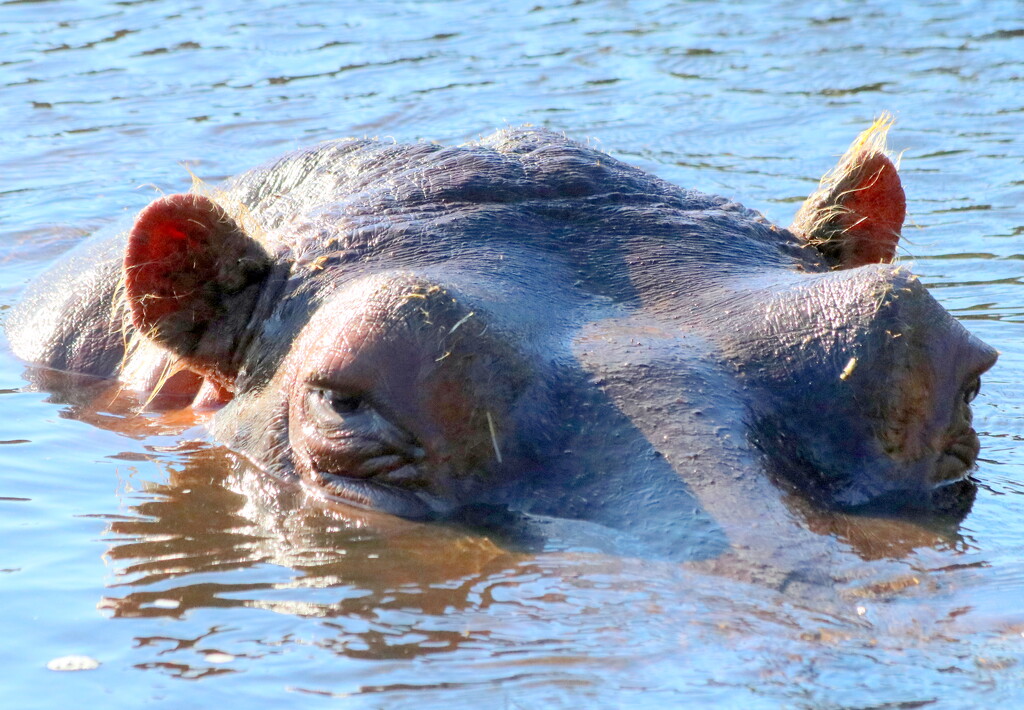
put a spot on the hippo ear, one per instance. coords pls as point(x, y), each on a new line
point(856, 215)
point(192, 278)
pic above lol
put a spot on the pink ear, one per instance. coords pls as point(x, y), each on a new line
point(856, 215)
point(189, 266)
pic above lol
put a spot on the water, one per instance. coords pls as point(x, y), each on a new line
point(139, 546)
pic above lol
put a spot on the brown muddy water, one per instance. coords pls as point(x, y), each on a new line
point(196, 583)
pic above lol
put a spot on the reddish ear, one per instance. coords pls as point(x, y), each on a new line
point(192, 278)
point(856, 215)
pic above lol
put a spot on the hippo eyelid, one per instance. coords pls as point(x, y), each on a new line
point(341, 415)
point(330, 405)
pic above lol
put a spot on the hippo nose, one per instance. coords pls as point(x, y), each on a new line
point(937, 343)
point(860, 383)
point(976, 359)
point(979, 357)
point(927, 369)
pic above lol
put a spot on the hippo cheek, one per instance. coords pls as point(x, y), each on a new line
point(400, 399)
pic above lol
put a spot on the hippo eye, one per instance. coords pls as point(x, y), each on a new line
point(348, 435)
point(347, 418)
point(332, 407)
point(972, 389)
point(342, 403)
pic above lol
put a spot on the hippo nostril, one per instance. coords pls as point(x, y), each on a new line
point(976, 358)
point(971, 389)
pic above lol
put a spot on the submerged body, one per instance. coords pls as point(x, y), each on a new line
point(527, 324)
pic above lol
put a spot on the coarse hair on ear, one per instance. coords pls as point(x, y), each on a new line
point(856, 215)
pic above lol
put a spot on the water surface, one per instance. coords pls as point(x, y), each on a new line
point(193, 582)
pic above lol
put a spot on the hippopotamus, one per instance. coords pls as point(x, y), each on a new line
point(527, 324)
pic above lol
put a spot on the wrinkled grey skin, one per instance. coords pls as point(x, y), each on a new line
point(539, 327)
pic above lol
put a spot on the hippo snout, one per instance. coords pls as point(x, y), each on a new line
point(884, 393)
point(925, 422)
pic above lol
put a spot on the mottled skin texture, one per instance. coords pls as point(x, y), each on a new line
point(529, 324)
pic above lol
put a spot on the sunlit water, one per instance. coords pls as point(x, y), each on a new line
point(193, 583)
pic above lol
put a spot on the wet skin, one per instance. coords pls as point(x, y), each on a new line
point(528, 325)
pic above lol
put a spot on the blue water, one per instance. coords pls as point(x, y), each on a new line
point(192, 584)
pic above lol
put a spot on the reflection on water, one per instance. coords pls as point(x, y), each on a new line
point(217, 536)
point(194, 581)
point(202, 521)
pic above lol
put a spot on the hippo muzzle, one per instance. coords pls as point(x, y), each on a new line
point(884, 391)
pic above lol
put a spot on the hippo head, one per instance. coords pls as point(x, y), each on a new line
point(528, 322)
